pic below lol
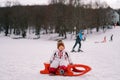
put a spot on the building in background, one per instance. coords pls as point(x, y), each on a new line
point(115, 17)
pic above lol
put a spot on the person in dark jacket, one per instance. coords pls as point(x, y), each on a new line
point(111, 37)
point(79, 37)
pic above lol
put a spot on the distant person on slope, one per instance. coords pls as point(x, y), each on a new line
point(111, 37)
point(60, 58)
point(79, 37)
point(104, 40)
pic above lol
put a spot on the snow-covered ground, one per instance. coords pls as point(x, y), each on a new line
point(22, 59)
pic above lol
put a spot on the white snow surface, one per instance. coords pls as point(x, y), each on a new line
point(22, 59)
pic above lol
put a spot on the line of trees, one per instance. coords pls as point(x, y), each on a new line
point(60, 16)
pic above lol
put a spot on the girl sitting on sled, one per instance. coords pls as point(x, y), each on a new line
point(60, 59)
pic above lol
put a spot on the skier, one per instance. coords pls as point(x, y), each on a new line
point(60, 59)
point(79, 37)
point(111, 37)
point(104, 39)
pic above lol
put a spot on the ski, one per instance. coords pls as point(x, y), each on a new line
point(77, 51)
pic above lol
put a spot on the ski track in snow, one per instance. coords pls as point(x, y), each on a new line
point(23, 59)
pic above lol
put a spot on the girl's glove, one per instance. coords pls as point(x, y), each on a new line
point(50, 61)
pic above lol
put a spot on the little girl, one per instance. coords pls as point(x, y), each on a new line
point(60, 59)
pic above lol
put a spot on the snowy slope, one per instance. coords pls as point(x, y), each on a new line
point(23, 59)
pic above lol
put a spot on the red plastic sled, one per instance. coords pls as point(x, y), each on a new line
point(72, 70)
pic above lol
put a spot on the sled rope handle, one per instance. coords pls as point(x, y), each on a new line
point(70, 72)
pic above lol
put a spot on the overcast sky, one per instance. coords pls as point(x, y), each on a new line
point(113, 3)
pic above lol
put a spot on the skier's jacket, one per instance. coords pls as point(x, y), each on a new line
point(64, 57)
point(79, 36)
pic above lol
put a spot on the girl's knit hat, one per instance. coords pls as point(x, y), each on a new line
point(60, 43)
